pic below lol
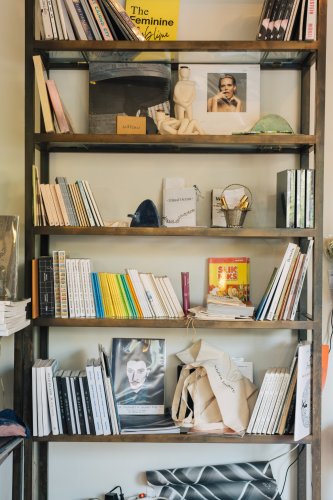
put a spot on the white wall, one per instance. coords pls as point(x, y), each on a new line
point(80, 471)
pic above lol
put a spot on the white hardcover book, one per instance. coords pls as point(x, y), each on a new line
point(57, 401)
point(35, 401)
point(61, 9)
point(162, 308)
point(168, 296)
point(70, 288)
point(76, 23)
point(93, 397)
point(179, 207)
point(303, 392)
point(279, 402)
point(39, 373)
point(304, 269)
point(101, 397)
point(258, 403)
point(78, 296)
point(291, 250)
point(141, 294)
point(269, 400)
point(52, 19)
point(309, 198)
point(174, 297)
point(275, 394)
point(311, 20)
point(150, 295)
point(45, 406)
point(85, 290)
point(91, 199)
point(75, 408)
point(69, 28)
point(46, 21)
point(50, 368)
point(87, 274)
point(275, 283)
point(57, 20)
point(164, 296)
point(264, 401)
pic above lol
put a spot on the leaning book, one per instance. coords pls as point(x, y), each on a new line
point(229, 276)
point(138, 370)
point(9, 227)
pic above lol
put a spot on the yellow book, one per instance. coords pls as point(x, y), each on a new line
point(157, 21)
point(120, 309)
point(134, 296)
point(229, 276)
point(106, 297)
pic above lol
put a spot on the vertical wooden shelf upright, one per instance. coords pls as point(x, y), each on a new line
point(37, 242)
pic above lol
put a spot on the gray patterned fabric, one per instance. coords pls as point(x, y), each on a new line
point(244, 481)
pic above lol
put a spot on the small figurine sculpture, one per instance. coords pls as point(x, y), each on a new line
point(184, 94)
point(173, 126)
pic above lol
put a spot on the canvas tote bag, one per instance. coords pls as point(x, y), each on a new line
point(222, 397)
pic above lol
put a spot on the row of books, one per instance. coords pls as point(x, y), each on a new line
point(65, 287)
point(13, 316)
point(288, 20)
point(74, 401)
point(65, 204)
point(295, 198)
point(282, 294)
point(277, 408)
point(86, 20)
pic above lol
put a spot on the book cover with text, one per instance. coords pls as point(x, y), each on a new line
point(229, 276)
point(157, 21)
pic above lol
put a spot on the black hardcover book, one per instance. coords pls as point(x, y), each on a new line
point(267, 11)
point(46, 287)
point(78, 397)
point(278, 20)
point(85, 387)
point(68, 408)
point(58, 376)
point(273, 18)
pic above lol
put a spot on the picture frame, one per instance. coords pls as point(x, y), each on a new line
point(246, 87)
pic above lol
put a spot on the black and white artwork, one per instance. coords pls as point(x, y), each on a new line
point(138, 369)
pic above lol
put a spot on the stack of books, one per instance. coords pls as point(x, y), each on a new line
point(288, 20)
point(65, 204)
point(86, 20)
point(64, 287)
point(13, 316)
point(148, 424)
point(228, 307)
point(282, 294)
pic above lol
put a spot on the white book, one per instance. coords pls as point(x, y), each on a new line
point(275, 394)
point(45, 406)
point(93, 397)
point(57, 20)
point(87, 274)
point(162, 307)
point(85, 288)
point(57, 401)
point(50, 368)
point(279, 402)
point(140, 293)
point(164, 296)
point(303, 271)
point(179, 207)
point(101, 397)
point(35, 400)
point(309, 198)
point(52, 19)
point(264, 401)
point(93, 204)
point(69, 28)
point(150, 295)
point(311, 20)
point(268, 401)
point(287, 261)
point(291, 293)
point(39, 373)
point(168, 296)
point(174, 297)
point(46, 21)
point(70, 289)
point(85, 203)
point(303, 392)
point(61, 10)
point(258, 403)
point(275, 282)
point(76, 23)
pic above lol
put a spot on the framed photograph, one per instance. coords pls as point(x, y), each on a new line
point(138, 369)
point(227, 97)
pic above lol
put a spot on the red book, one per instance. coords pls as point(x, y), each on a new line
point(186, 291)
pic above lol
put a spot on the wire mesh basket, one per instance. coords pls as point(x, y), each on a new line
point(235, 216)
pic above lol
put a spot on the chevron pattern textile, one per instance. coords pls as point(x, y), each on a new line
point(243, 481)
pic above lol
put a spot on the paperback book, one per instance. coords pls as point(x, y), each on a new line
point(229, 276)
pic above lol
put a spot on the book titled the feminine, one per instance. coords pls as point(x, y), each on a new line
point(138, 369)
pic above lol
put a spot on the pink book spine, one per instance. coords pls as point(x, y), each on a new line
point(186, 291)
point(57, 106)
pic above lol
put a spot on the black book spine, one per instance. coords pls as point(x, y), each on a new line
point(61, 405)
point(265, 19)
point(88, 405)
point(66, 406)
point(79, 405)
point(46, 287)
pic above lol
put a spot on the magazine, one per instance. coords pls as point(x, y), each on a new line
point(138, 369)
